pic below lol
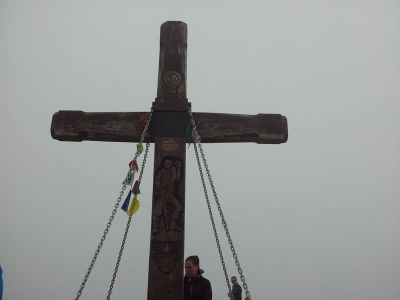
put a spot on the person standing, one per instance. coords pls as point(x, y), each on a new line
point(195, 286)
point(236, 289)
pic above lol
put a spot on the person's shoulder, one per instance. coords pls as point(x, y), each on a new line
point(205, 280)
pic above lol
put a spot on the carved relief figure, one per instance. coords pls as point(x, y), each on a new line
point(167, 205)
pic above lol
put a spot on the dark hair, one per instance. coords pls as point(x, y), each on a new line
point(196, 261)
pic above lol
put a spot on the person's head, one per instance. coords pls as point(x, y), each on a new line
point(234, 280)
point(192, 266)
point(168, 163)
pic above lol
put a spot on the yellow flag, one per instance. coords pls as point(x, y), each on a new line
point(134, 207)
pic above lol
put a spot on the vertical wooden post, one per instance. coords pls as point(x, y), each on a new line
point(165, 281)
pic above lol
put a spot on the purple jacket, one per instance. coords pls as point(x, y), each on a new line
point(198, 288)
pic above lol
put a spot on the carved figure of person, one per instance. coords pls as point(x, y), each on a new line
point(167, 204)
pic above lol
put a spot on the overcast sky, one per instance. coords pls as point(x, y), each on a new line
point(316, 218)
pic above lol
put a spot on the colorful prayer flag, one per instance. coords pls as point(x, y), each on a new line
point(134, 207)
point(125, 205)
point(135, 188)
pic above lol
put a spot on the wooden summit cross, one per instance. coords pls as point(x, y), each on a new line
point(168, 131)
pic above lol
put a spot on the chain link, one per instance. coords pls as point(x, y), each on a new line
point(114, 211)
point(197, 140)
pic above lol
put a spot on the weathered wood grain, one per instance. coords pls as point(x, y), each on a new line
point(213, 127)
point(166, 257)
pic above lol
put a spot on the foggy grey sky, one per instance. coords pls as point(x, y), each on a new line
point(316, 218)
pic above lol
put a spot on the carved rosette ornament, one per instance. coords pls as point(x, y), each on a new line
point(165, 255)
point(172, 80)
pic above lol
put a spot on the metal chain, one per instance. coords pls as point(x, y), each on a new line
point(212, 218)
point(103, 238)
point(119, 258)
point(197, 140)
point(126, 230)
point(146, 126)
point(114, 211)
